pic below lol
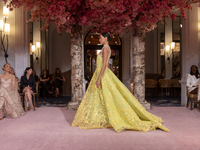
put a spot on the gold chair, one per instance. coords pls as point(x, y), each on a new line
point(175, 85)
point(151, 84)
point(192, 99)
point(33, 94)
point(165, 84)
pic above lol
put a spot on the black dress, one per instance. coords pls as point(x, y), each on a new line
point(44, 85)
point(58, 83)
point(25, 83)
point(36, 78)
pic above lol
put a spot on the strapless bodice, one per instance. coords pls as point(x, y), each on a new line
point(5, 83)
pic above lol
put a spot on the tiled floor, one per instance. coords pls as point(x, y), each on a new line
point(165, 101)
point(155, 101)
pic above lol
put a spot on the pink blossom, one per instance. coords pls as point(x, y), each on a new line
point(173, 16)
point(106, 15)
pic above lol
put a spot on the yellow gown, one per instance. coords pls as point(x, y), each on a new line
point(113, 105)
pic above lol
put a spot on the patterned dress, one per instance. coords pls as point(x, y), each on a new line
point(11, 97)
point(113, 105)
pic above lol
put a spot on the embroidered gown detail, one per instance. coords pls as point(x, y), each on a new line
point(113, 105)
point(11, 97)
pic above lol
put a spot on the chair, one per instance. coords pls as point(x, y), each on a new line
point(21, 95)
point(33, 94)
point(165, 84)
point(151, 84)
point(192, 99)
point(175, 85)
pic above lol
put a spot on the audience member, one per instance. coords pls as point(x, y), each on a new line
point(192, 81)
point(34, 75)
point(58, 79)
point(176, 74)
point(28, 86)
point(10, 101)
point(44, 82)
point(16, 79)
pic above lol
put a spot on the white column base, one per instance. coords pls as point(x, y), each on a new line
point(145, 104)
point(183, 91)
point(84, 86)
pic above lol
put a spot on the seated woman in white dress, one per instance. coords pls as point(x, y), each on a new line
point(192, 81)
point(10, 101)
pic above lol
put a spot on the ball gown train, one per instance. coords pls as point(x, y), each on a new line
point(113, 105)
point(12, 99)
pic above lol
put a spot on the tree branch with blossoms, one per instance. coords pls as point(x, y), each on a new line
point(114, 16)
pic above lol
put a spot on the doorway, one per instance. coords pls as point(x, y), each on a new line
point(91, 49)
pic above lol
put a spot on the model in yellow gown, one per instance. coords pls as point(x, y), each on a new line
point(113, 105)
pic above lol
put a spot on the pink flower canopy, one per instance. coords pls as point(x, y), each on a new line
point(114, 16)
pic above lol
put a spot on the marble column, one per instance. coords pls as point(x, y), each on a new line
point(76, 67)
point(168, 40)
point(138, 71)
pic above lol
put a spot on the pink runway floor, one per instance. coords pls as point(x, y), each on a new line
point(48, 128)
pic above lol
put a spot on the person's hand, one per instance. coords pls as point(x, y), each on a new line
point(29, 88)
point(59, 78)
point(98, 83)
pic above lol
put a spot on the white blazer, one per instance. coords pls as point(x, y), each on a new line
point(191, 81)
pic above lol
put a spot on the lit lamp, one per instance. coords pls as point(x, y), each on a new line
point(33, 49)
point(172, 45)
point(7, 29)
point(167, 51)
point(167, 48)
point(5, 12)
point(4, 32)
point(1, 25)
point(38, 45)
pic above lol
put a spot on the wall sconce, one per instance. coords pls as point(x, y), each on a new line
point(1, 25)
point(33, 48)
point(172, 45)
point(167, 50)
point(6, 28)
point(4, 32)
point(5, 12)
point(33, 52)
point(38, 45)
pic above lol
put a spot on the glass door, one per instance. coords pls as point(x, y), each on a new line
point(91, 62)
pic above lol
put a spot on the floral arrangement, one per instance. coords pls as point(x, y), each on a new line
point(114, 16)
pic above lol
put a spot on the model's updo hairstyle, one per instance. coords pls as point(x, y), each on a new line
point(13, 70)
point(4, 66)
point(106, 34)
